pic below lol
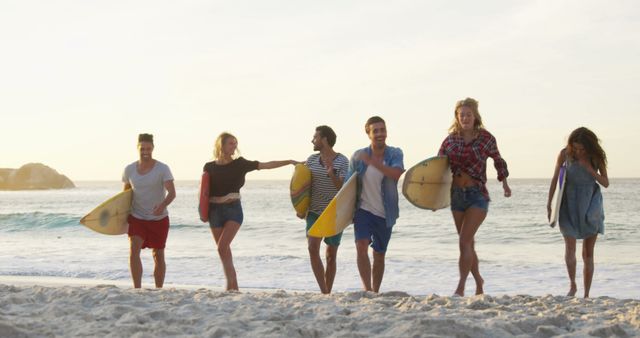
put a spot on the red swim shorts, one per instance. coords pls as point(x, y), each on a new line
point(153, 233)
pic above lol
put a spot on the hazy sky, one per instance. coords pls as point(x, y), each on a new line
point(80, 79)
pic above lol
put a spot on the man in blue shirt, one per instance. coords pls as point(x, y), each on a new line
point(379, 168)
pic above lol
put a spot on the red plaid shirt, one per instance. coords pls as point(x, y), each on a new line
point(471, 158)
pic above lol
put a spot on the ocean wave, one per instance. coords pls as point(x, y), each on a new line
point(16, 222)
point(186, 226)
point(36, 220)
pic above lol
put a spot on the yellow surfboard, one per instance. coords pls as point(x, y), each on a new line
point(339, 213)
point(110, 217)
point(427, 185)
point(300, 189)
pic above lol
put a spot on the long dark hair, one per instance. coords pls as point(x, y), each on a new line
point(591, 144)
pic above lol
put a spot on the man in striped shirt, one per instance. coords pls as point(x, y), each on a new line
point(328, 170)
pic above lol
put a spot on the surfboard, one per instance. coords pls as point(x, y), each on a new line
point(110, 217)
point(556, 201)
point(300, 189)
point(427, 185)
point(339, 213)
point(203, 206)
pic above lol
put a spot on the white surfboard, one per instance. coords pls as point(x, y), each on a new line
point(427, 185)
point(110, 217)
point(556, 201)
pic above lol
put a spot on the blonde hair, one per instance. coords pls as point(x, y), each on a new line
point(473, 105)
point(220, 141)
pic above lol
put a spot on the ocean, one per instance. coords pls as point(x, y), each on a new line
point(519, 253)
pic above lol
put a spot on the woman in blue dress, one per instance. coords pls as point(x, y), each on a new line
point(581, 211)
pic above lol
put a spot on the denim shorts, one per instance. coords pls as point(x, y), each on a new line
point(219, 214)
point(374, 228)
point(469, 197)
point(334, 240)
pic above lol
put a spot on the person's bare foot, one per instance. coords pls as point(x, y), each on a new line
point(572, 291)
point(479, 289)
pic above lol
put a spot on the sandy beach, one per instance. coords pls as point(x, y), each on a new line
point(116, 311)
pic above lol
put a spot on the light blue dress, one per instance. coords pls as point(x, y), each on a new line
point(581, 212)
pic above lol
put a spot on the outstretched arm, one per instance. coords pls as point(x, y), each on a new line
point(275, 164)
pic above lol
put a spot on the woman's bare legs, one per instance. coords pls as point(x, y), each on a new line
point(467, 224)
point(588, 245)
point(570, 260)
point(223, 237)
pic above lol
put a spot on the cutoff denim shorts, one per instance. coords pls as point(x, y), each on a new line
point(219, 214)
point(469, 197)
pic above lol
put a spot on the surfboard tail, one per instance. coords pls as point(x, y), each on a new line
point(325, 225)
point(110, 217)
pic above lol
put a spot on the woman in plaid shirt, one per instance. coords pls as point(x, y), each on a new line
point(468, 146)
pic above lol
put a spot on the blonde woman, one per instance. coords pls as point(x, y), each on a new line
point(468, 146)
point(227, 175)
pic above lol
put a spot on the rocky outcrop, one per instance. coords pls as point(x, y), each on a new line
point(33, 176)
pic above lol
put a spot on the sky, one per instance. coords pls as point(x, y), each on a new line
point(79, 80)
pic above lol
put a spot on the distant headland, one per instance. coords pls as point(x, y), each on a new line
point(33, 176)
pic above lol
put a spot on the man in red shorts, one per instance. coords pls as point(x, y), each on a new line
point(153, 191)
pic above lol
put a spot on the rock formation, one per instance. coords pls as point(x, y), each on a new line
point(33, 176)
